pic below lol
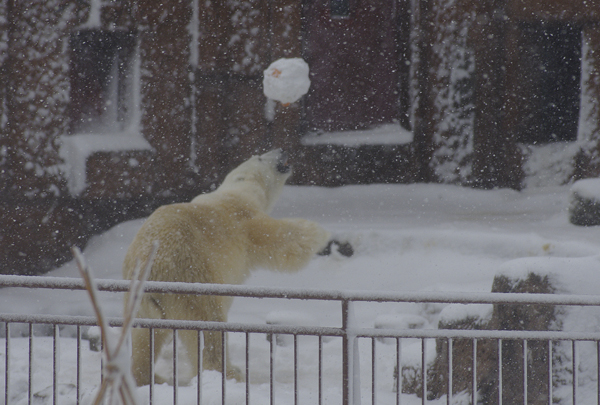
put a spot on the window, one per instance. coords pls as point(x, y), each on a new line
point(550, 75)
point(101, 81)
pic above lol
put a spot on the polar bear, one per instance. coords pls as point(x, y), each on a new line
point(218, 237)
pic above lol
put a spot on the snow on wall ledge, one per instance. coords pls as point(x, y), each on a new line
point(75, 150)
point(387, 134)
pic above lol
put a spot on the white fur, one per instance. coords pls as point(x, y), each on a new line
point(216, 238)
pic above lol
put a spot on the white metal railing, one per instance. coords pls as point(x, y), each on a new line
point(348, 332)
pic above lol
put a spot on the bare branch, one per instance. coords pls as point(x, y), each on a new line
point(117, 384)
point(90, 286)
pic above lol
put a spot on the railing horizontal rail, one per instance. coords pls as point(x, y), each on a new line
point(308, 330)
point(174, 324)
point(305, 294)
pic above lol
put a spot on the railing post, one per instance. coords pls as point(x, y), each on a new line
point(350, 359)
point(346, 384)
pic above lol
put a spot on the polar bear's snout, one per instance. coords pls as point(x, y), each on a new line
point(283, 165)
point(279, 158)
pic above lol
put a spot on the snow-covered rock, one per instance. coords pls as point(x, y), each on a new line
point(585, 202)
point(546, 275)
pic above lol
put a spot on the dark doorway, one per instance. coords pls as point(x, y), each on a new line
point(550, 72)
point(357, 58)
point(101, 80)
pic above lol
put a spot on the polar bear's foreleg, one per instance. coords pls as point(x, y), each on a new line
point(285, 244)
point(212, 353)
point(140, 361)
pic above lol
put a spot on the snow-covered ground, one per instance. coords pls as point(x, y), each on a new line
point(420, 237)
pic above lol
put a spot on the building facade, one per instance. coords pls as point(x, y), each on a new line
point(109, 109)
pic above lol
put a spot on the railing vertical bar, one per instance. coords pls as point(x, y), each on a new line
point(175, 371)
point(29, 384)
point(350, 358)
point(550, 383)
point(6, 363)
point(525, 376)
point(500, 382)
point(101, 362)
point(151, 349)
point(271, 363)
point(295, 369)
point(398, 371)
point(373, 373)
point(423, 372)
point(223, 365)
point(346, 383)
point(320, 370)
point(247, 368)
point(55, 332)
point(78, 367)
point(200, 365)
point(574, 350)
point(474, 375)
point(450, 375)
point(598, 369)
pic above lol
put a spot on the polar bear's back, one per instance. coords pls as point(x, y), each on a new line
point(196, 242)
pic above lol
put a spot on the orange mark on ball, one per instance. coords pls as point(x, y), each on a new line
point(276, 73)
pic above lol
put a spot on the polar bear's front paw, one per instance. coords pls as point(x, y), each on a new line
point(343, 248)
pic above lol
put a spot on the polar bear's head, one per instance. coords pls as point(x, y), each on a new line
point(260, 178)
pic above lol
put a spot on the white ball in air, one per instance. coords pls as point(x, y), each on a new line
point(286, 80)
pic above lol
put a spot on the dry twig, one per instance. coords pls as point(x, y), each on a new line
point(117, 380)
